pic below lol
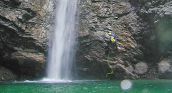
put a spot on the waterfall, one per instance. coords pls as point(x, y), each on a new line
point(61, 51)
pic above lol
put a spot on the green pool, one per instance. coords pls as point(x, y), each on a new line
point(161, 86)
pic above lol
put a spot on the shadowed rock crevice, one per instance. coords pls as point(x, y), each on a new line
point(11, 3)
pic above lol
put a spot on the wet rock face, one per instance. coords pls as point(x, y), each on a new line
point(143, 42)
point(23, 36)
point(6, 74)
point(143, 38)
point(97, 18)
point(158, 16)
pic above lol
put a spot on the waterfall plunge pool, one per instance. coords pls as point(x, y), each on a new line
point(138, 86)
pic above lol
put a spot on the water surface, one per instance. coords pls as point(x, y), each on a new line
point(163, 86)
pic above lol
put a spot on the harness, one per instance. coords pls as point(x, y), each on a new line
point(113, 37)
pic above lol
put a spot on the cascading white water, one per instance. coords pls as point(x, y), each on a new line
point(61, 52)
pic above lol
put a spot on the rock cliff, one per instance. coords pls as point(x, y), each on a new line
point(143, 31)
point(23, 38)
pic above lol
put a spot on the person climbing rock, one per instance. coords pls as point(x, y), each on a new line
point(111, 40)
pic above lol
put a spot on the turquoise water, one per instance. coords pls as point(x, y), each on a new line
point(163, 86)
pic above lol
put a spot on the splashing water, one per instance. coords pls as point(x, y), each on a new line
point(61, 52)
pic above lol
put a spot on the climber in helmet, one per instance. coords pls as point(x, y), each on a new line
point(113, 38)
point(111, 42)
point(115, 42)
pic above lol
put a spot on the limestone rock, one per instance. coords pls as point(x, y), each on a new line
point(6, 74)
point(144, 35)
point(24, 26)
point(97, 18)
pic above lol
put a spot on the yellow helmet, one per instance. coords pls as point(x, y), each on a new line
point(113, 40)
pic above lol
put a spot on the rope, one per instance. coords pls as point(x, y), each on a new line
point(112, 72)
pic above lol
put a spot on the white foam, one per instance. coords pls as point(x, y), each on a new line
point(46, 80)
